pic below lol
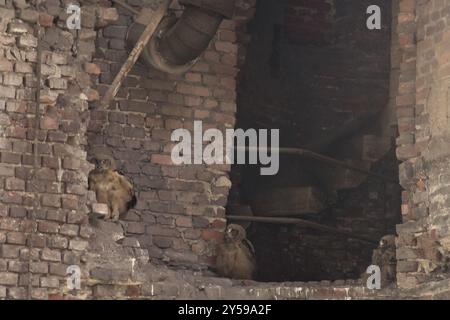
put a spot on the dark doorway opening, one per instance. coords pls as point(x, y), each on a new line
point(316, 72)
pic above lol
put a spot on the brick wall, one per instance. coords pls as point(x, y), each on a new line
point(314, 86)
point(180, 212)
point(422, 104)
point(43, 225)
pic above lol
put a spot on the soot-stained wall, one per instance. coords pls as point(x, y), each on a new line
point(312, 68)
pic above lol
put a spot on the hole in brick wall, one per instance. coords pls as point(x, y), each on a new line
point(314, 71)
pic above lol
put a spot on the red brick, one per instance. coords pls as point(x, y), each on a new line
point(162, 159)
point(212, 235)
point(14, 184)
point(46, 20)
point(193, 90)
point(49, 123)
point(227, 47)
point(48, 227)
point(92, 68)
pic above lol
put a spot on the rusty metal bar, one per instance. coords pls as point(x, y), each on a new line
point(319, 157)
point(134, 54)
point(126, 6)
point(303, 223)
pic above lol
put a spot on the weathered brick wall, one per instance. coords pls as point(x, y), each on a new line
point(422, 106)
point(180, 212)
point(315, 87)
point(43, 203)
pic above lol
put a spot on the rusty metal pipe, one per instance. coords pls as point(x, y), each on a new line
point(190, 36)
point(179, 42)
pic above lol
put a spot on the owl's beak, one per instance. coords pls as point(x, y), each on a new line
point(228, 234)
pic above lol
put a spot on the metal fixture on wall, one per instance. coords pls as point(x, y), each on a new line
point(178, 42)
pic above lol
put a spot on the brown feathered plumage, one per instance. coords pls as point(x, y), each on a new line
point(236, 255)
point(111, 187)
point(384, 257)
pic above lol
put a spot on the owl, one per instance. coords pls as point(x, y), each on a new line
point(111, 187)
point(384, 257)
point(236, 255)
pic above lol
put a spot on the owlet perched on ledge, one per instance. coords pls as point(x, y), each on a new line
point(111, 187)
point(236, 255)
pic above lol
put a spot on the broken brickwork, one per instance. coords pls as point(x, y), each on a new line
point(180, 213)
point(422, 109)
point(43, 203)
point(46, 221)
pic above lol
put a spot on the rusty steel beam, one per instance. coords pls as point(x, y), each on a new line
point(304, 223)
point(320, 157)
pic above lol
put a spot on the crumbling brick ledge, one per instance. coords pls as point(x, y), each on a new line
point(156, 283)
point(111, 270)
